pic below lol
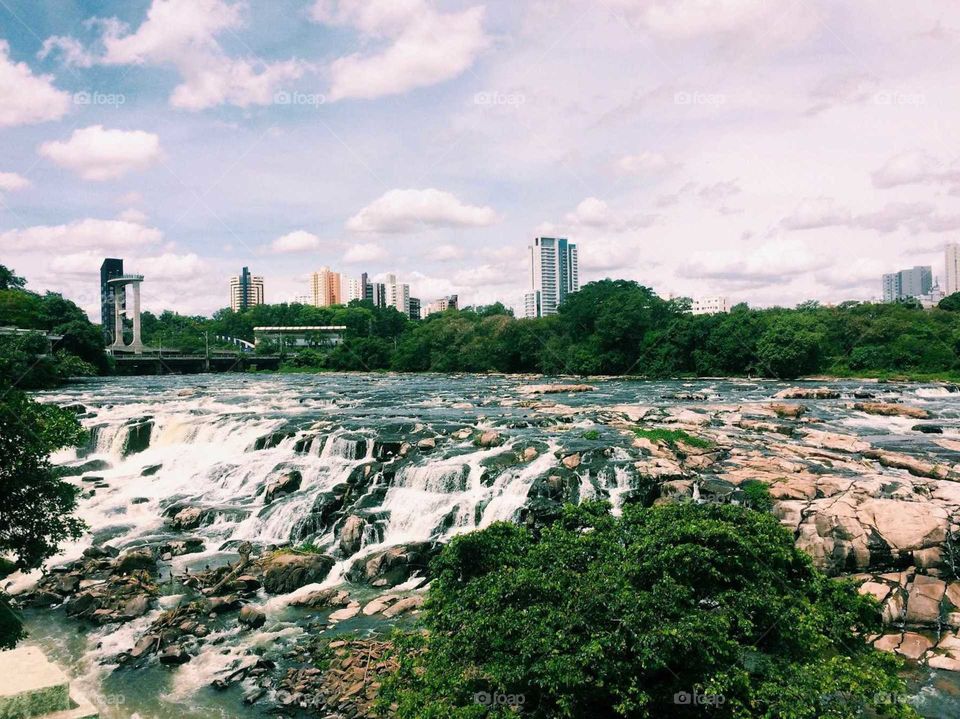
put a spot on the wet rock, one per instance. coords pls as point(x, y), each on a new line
point(320, 598)
point(290, 482)
point(174, 655)
point(101, 552)
point(136, 559)
point(269, 441)
point(136, 607)
point(348, 612)
point(351, 534)
point(928, 428)
point(322, 514)
point(913, 645)
point(222, 605)
point(251, 617)
point(490, 438)
point(180, 547)
point(923, 602)
point(379, 604)
point(426, 444)
point(571, 461)
point(889, 409)
point(188, 518)
point(93, 465)
point(284, 572)
point(151, 470)
point(529, 454)
point(913, 465)
point(808, 393)
point(392, 566)
point(384, 449)
point(403, 606)
point(138, 437)
point(145, 645)
point(791, 411)
point(556, 388)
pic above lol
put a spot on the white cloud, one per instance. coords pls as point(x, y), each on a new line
point(183, 33)
point(296, 241)
point(411, 210)
point(72, 52)
point(11, 182)
point(445, 253)
point(364, 252)
point(83, 234)
point(817, 212)
point(26, 98)
point(133, 215)
point(595, 213)
point(644, 163)
point(98, 154)
point(914, 167)
point(770, 262)
point(426, 47)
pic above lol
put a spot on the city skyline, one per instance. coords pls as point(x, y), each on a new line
point(801, 163)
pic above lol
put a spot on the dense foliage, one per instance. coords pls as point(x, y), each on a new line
point(610, 327)
point(676, 610)
point(24, 358)
point(37, 504)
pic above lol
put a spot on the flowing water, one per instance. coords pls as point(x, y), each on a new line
point(215, 441)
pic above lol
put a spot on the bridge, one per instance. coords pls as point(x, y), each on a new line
point(151, 362)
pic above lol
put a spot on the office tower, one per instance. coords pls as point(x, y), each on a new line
point(325, 287)
point(246, 291)
point(352, 289)
point(110, 268)
point(952, 276)
point(554, 273)
point(914, 282)
point(397, 295)
point(373, 292)
point(414, 308)
point(441, 305)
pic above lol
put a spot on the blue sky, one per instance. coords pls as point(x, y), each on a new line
point(772, 152)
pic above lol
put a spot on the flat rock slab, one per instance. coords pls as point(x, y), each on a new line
point(32, 686)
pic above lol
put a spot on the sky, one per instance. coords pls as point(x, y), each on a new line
point(772, 152)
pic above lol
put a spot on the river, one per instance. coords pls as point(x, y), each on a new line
point(215, 441)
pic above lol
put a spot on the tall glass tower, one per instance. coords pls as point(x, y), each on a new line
point(554, 273)
point(110, 269)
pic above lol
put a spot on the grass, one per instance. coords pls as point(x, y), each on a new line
point(307, 548)
point(591, 434)
point(672, 437)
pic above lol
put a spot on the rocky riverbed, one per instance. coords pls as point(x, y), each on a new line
point(252, 537)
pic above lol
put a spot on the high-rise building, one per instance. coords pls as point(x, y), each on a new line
point(352, 289)
point(414, 308)
point(373, 292)
point(325, 287)
point(441, 305)
point(554, 273)
point(952, 277)
point(914, 282)
point(110, 268)
point(397, 295)
point(246, 291)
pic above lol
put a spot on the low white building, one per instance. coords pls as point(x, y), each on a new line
point(291, 337)
point(710, 305)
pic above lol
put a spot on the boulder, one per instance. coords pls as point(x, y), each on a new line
point(556, 388)
point(188, 518)
point(138, 437)
point(426, 444)
point(915, 466)
point(348, 612)
point(251, 617)
point(403, 606)
point(923, 602)
point(136, 606)
point(490, 438)
point(284, 572)
point(792, 411)
point(136, 559)
point(927, 428)
point(913, 645)
point(571, 461)
point(222, 605)
point(320, 598)
point(174, 655)
point(379, 604)
point(529, 454)
point(391, 566)
point(807, 393)
point(290, 482)
point(889, 409)
point(351, 534)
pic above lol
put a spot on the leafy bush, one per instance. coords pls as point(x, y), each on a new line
point(672, 436)
point(633, 616)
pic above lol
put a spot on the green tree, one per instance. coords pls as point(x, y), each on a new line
point(620, 617)
point(37, 505)
point(789, 348)
point(950, 303)
point(9, 280)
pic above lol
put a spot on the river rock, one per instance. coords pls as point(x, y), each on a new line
point(136, 559)
point(138, 437)
point(251, 617)
point(808, 393)
point(391, 566)
point(913, 645)
point(889, 409)
point(556, 388)
point(927, 428)
point(489, 438)
point(791, 411)
point(571, 461)
point(174, 655)
point(188, 518)
point(923, 603)
point(379, 604)
point(351, 534)
point(136, 607)
point(348, 612)
point(320, 598)
point(285, 571)
point(403, 606)
point(426, 444)
point(529, 454)
point(290, 482)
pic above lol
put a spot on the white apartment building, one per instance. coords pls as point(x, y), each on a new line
point(398, 294)
point(246, 290)
point(710, 305)
point(952, 277)
point(554, 273)
point(352, 288)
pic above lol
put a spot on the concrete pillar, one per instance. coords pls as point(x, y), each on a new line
point(137, 344)
point(118, 292)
